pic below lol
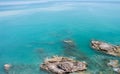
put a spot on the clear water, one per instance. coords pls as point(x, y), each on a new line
point(29, 32)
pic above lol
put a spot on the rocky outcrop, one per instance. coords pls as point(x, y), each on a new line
point(63, 65)
point(106, 48)
point(115, 65)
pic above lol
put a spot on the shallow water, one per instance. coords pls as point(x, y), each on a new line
point(31, 32)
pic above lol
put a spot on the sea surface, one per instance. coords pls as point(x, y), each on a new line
point(30, 31)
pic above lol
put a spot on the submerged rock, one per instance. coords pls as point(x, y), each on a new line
point(71, 49)
point(63, 65)
point(115, 65)
point(106, 48)
point(69, 44)
point(117, 70)
point(7, 67)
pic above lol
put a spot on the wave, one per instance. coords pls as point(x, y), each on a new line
point(22, 2)
point(28, 7)
point(30, 10)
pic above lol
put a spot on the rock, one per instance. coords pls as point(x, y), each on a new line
point(117, 70)
point(106, 48)
point(79, 66)
point(66, 66)
point(113, 63)
point(70, 49)
point(63, 65)
point(7, 67)
point(69, 44)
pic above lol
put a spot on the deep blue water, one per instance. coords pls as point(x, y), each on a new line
point(29, 32)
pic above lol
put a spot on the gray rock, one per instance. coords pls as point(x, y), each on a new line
point(115, 65)
point(106, 48)
point(63, 65)
point(66, 66)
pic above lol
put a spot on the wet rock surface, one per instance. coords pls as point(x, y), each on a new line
point(114, 64)
point(106, 48)
point(63, 65)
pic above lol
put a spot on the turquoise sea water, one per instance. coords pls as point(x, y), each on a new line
point(29, 32)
